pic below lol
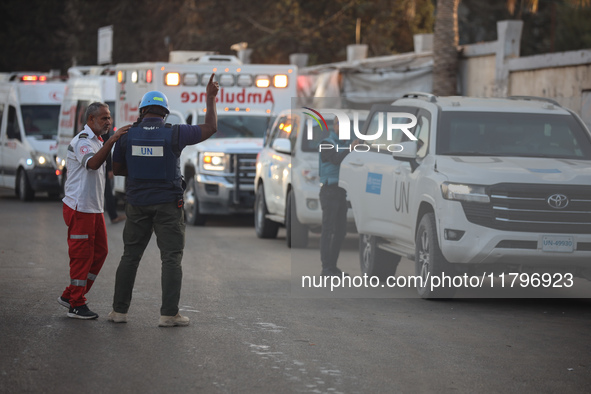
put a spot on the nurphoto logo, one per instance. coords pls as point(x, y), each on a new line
point(392, 120)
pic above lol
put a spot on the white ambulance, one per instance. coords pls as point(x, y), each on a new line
point(86, 84)
point(220, 171)
point(29, 112)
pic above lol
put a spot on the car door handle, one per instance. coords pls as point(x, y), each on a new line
point(357, 164)
point(397, 171)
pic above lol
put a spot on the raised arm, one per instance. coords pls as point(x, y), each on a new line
point(211, 118)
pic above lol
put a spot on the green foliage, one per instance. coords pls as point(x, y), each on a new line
point(575, 31)
point(555, 26)
point(54, 34)
point(28, 35)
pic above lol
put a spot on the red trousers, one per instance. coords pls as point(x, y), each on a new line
point(87, 248)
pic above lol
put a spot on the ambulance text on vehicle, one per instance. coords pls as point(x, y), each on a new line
point(220, 171)
point(29, 112)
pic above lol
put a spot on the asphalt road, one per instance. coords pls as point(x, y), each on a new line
point(254, 331)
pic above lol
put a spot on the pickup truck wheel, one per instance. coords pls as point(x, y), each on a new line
point(375, 261)
point(191, 205)
point(25, 191)
point(429, 261)
point(264, 227)
point(296, 232)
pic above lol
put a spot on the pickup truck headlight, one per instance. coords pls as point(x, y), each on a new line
point(214, 161)
point(461, 192)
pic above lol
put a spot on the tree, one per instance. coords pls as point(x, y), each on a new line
point(445, 48)
point(540, 19)
point(27, 35)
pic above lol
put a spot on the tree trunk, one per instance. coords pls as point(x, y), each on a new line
point(445, 48)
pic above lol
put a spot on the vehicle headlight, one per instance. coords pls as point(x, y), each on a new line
point(214, 161)
point(60, 163)
point(41, 160)
point(461, 192)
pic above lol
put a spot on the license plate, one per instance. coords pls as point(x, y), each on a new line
point(555, 243)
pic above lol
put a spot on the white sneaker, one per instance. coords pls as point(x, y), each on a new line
point(171, 321)
point(117, 317)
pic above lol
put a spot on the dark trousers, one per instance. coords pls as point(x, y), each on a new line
point(333, 200)
point(110, 199)
point(168, 222)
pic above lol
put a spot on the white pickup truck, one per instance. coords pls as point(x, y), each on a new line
point(220, 171)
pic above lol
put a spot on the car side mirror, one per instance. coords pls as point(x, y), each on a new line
point(407, 151)
point(282, 145)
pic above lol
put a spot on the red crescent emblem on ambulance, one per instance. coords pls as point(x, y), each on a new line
point(56, 96)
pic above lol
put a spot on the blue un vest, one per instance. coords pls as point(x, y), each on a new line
point(153, 163)
point(328, 171)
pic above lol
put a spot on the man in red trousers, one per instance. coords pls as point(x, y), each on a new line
point(83, 207)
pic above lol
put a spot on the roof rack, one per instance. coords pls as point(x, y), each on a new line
point(534, 98)
point(430, 97)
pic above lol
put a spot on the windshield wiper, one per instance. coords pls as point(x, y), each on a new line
point(468, 153)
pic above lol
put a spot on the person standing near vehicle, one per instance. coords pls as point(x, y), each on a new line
point(149, 157)
point(333, 201)
point(83, 207)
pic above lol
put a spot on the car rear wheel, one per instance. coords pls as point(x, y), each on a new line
point(265, 228)
point(191, 205)
point(296, 232)
point(429, 261)
point(375, 261)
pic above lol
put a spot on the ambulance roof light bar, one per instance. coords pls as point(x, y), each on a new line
point(225, 80)
point(172, 79)
point(33, 78)
point(262, 81)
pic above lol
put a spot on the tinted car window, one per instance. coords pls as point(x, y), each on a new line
point(512, 134)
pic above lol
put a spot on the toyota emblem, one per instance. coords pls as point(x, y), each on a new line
point(558, 201)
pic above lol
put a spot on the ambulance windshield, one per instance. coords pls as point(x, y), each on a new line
point(41, 121)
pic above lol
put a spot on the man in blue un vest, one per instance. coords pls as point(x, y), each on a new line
point(149, 158)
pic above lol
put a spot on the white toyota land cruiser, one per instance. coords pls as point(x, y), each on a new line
point(490, 185)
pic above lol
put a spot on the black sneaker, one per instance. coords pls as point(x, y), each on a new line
point(333, 272)
point(82, 312)
point(63, 302)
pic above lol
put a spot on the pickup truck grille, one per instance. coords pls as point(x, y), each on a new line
point(246, 170)
point(526, 208)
